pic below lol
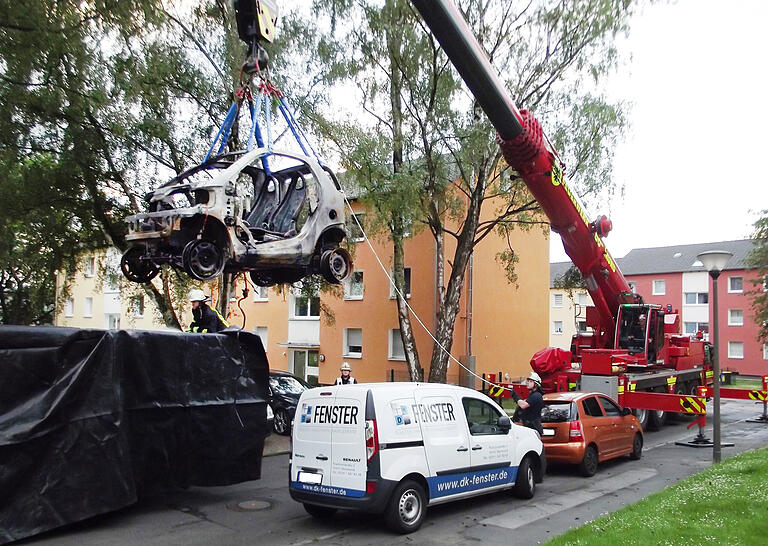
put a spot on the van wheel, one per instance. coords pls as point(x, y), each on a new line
point(637, 447)
point(525, 484)
point(319, 512)
point(588, 466)
point(407, 508)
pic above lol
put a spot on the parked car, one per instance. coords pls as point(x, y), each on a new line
point(588, 428)
point(270, 417)
point(284, 392)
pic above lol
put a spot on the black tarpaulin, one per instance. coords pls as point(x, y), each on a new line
point(91, 419)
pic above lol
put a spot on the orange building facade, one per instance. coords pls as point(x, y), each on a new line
point(499, 325)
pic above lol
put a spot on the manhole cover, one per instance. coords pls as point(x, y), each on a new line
point(252, 505)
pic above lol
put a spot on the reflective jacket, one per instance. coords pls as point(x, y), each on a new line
point(207, 320)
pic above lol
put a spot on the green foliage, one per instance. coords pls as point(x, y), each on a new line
point(725, 504)
point(99, 103)
point(758, 259)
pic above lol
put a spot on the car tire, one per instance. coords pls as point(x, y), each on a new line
point(637, 447)
point(407, 508)
point(588, 465)
point(319, 512)
point(282, 424)
point(525, 484)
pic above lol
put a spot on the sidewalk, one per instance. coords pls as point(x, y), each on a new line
point(276, 444)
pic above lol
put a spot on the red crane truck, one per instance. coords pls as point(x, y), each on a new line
point(635, 352)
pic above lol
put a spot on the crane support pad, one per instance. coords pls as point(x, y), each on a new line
point(91, 419)
point(677, 403)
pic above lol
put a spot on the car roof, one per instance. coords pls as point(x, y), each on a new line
point(572, 396)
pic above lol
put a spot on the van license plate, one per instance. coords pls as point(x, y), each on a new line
point(549, 432)
point(310, 477)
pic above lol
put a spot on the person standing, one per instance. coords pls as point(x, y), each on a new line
point(346, 376)
point(206, 320)
point(529, 410)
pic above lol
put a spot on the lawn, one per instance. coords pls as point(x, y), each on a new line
point(743, 383)
point(725, 504)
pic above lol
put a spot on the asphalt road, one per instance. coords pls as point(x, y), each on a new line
point(262, 511)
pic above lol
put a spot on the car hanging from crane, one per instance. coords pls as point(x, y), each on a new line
point(277, 214)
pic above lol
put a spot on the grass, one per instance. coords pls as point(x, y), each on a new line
point(725, 504)
point(740, 383)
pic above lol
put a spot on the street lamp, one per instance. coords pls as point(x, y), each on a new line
point(714, 261)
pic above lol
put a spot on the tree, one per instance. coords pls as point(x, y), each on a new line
point(440, 152)
point(758, 259)
point(99, 102)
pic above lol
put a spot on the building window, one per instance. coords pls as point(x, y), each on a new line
point(659, 287)
point(137, 304)
point(305, 306)
point(582, 324)
point(354, 224)
point(557, 327)
point(113, 321)
point(353, 286)
point(353, 342)
point(735, 349)
point(765, 351)
point(691, 328)
point(735, 317)
point(260, 293)
point(261, 331)
point(632, 286)
point(88, 307)
point(69, 308)
point(396, 349)
point(112, 283)
point(90, 266)
point(584, 299)
point(696, 298)
point(735, 284)
point(558, 300)
point(407, 278)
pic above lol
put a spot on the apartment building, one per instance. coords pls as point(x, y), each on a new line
point(673, 275)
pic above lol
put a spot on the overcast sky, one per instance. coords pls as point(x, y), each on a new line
point(693, 160)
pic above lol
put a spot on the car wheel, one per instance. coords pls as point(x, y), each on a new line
point(136, 267)
point(202, 259)
point(335, 265)
point(282, 422)
point(637, 447)
point(319, 512)
point(407, 508)
point(525, 484)
point(588, 466)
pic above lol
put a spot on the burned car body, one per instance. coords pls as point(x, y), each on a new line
point(277, 214)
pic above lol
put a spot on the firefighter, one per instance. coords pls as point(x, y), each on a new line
point(206, 320)
point(346, 377)
point(529, 410)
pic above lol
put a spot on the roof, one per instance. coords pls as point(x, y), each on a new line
point(557, 270)
point(669, 259)
point(682, 258)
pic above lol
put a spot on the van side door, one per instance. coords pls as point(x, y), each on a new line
point(446, 439)
point(490, 447)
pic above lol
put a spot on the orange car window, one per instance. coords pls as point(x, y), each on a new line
point(591, 407)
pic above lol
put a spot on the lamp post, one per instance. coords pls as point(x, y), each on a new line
point(714, 261)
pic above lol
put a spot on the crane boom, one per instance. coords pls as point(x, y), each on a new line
point(528, 151)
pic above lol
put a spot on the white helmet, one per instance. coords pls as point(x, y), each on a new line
point(346, 367)
point(197, 295)
point(535, 378)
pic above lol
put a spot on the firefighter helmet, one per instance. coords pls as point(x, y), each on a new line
point(536, 378)
point(197, 295)
point(346, 367)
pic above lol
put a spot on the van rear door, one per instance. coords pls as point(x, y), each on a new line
point(312, 446)
point(349, 463)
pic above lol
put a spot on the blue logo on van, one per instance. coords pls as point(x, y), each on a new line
point(402, 414)
point(306, 413)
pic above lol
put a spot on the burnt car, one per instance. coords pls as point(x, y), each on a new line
point(278, 215)
point(585, 429)
point(284, 392)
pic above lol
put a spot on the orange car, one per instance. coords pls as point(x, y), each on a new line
point(588, 428)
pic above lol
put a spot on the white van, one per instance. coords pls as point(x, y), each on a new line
point(394, 448)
